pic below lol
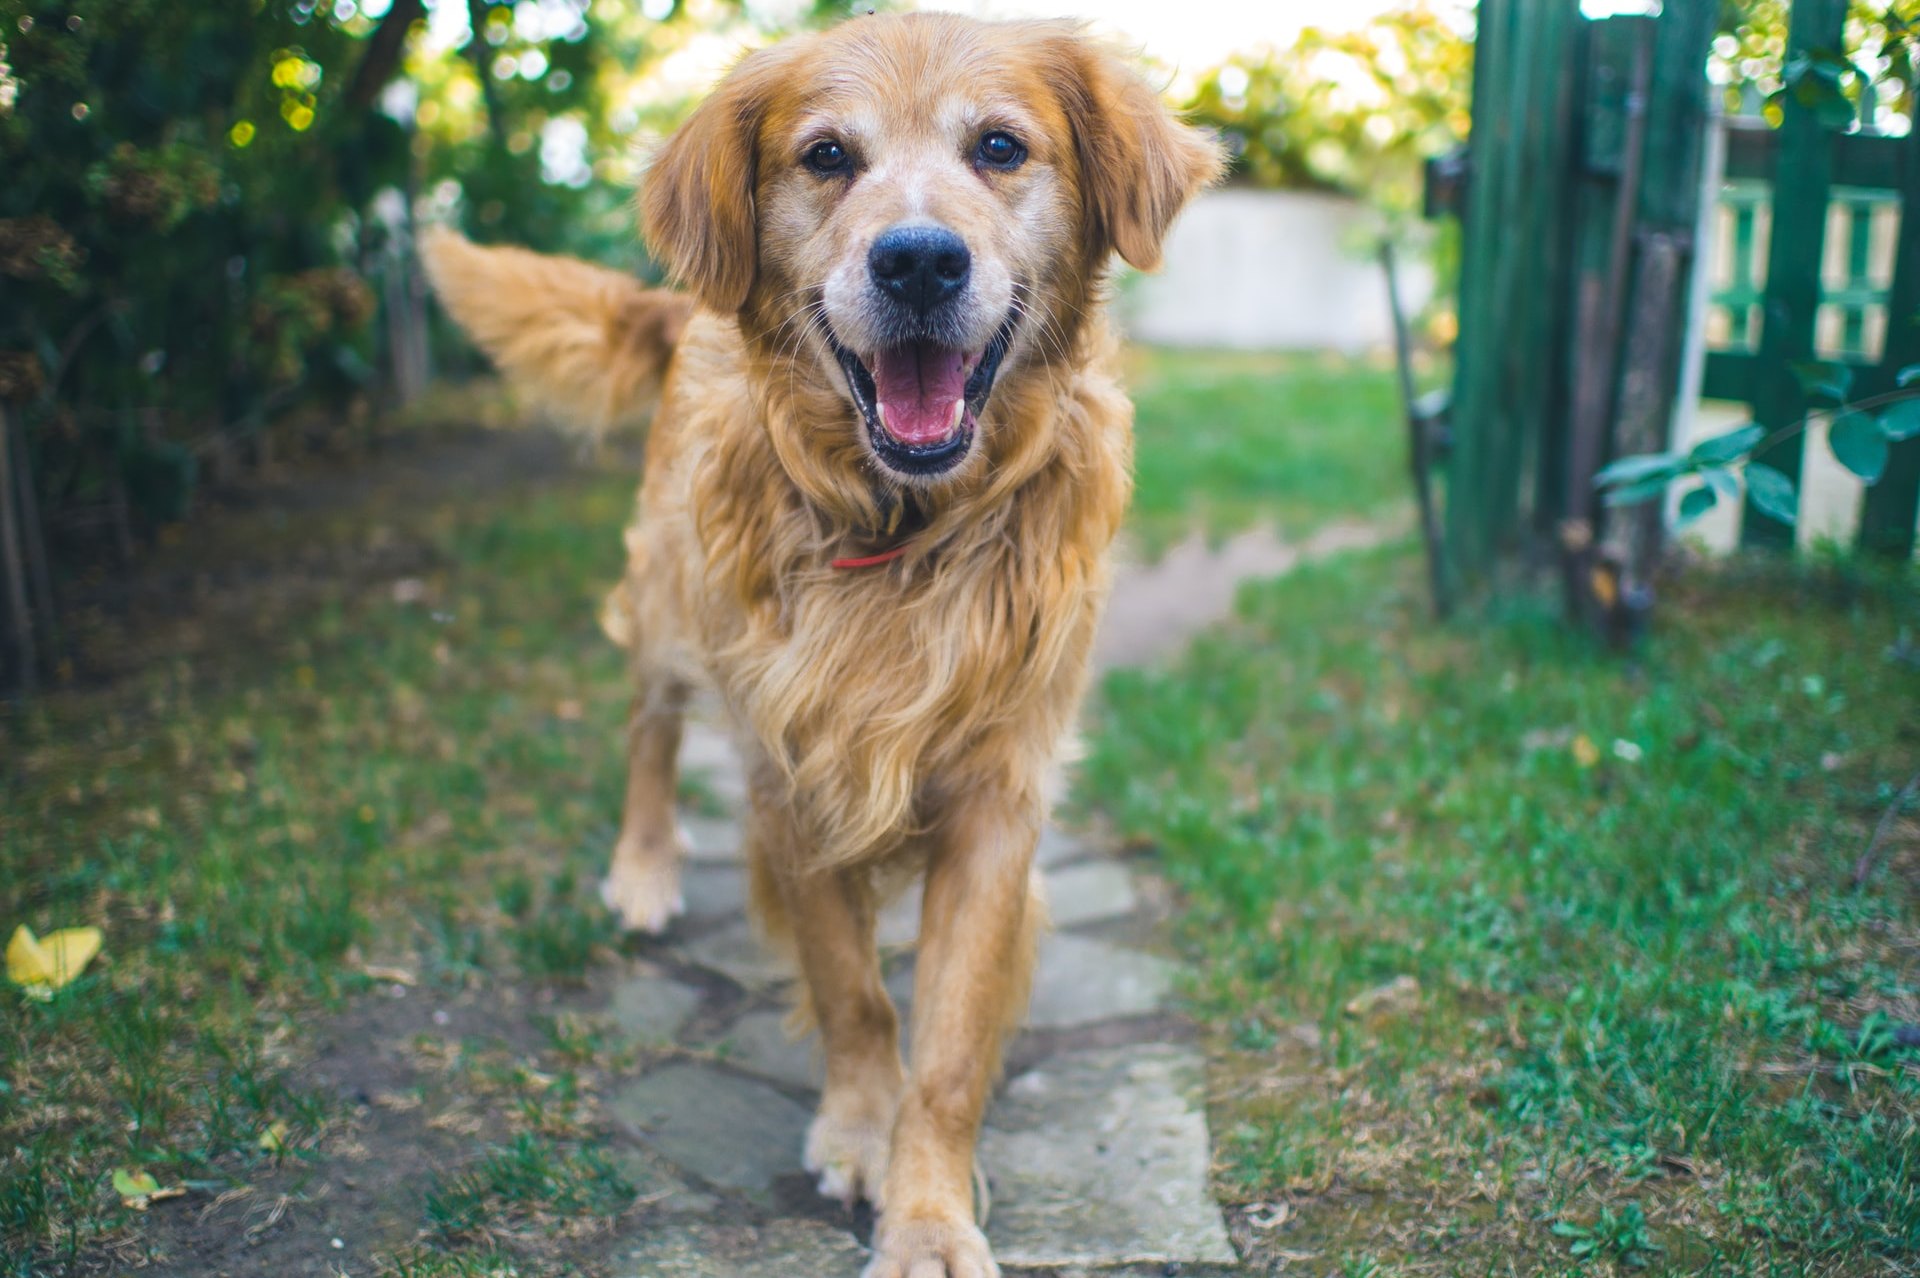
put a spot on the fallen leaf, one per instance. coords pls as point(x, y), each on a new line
point(1399, 989)
point(395, 975)
point(1265, 1216)
point(134, 1188)
point(137, 1189)
point(1585, 752)
point(274, 1139)
point(41, 965)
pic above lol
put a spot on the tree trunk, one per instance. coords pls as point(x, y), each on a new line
point(384, 53)
point(20, 621)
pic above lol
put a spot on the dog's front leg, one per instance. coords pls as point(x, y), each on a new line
point(970, 987)
point(831, 914)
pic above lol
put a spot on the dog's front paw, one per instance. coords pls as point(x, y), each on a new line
point(642, 888)
point(930, 1248)
point(847, 1151)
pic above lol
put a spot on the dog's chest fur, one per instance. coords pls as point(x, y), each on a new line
point(875, 691)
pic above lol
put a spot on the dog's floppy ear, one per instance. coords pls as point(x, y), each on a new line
point(697, 200)
point(1139, 164)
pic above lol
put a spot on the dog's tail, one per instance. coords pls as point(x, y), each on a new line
point(588, 345)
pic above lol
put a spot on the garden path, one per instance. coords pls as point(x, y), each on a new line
point(1096, 1146)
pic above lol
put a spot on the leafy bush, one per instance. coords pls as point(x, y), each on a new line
point(1354, 111)
point(204, 234)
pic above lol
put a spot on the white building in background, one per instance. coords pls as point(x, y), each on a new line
point(1271, 270)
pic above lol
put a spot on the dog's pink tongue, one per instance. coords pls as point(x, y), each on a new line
point(920, 387)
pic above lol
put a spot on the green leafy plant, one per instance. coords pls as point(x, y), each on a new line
point(1352, 111)
point(1868, 78)
point(1621, 1236)
point(1860, 435)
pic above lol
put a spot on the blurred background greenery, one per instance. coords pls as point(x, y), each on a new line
point(208, 212)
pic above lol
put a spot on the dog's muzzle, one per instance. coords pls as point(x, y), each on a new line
point(922, 400)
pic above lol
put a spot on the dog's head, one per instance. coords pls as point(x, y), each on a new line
point(919, 208)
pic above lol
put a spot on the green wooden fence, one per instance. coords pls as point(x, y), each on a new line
point(1820, 249)
point(1580, 216)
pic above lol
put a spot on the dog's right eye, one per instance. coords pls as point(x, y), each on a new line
point(827, 158)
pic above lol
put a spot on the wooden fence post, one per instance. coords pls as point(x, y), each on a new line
point(1893, 504)
point(1510, 380)
point(1793, 266)
point(1679, 115)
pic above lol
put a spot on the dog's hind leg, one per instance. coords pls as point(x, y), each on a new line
point(642, 885)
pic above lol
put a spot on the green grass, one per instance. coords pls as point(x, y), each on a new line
point(1618, 1005)
point(349, 781)
point(1229, 440)
point(425, 784)
point(531, 1184)
point(1638, 984)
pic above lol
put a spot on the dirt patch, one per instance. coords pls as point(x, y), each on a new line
point(243, 572)
point(1157, 608)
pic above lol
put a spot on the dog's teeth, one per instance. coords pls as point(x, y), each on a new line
point(959, 411)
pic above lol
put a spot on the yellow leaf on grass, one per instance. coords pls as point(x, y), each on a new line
point(134, 1188)
point(1585, 752)
point(274, 1139)
point(41, 965)
point(137, 1189)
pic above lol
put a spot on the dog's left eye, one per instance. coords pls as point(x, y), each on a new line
point(827, 157)
point(1000, 151)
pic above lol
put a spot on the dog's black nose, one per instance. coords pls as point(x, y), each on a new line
point(921, 266)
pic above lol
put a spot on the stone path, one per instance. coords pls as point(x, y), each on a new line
point(1096, 1146)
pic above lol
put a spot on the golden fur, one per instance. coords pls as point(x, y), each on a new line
point(904, 717)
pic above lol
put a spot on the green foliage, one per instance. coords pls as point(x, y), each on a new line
point(1614, 1235)
point(1860, 436)
point(1870, 77)
point(1350, 111)
point(206, 213)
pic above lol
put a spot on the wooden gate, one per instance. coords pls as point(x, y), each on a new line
point(1581, 214)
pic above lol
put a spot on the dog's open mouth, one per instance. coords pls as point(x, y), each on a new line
point(921, 400)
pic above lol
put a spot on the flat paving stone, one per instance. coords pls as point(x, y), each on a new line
point(713, 891)
point(899, 922)
point(1058, 847)
point(758, 1042)
point(652, 1008)
point(709, 760)
point(658, 1187)
point(778, 1249)
point(714, 839)
point(738, 952)
point(1092, 892)
point(727, 1130)
point(1081, 981)
point(705, 745)
point(1101, 1158)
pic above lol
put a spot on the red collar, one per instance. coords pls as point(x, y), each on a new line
point(874, 561)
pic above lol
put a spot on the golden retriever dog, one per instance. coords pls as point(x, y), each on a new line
point(888, 462)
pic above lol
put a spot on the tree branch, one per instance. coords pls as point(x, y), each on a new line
point(1864, 866)
point(384, 51)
